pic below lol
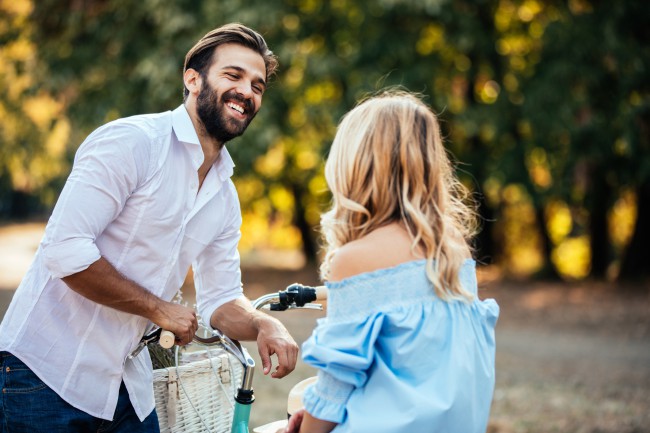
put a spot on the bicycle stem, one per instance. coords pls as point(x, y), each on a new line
point(245, 397)
point(247, 377)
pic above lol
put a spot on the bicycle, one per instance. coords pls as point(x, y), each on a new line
point(295, 296)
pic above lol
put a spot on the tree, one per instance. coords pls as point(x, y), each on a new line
point(589, 95)
point(549, 97)
point(34, 127)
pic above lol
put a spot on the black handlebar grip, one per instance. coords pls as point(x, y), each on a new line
point(297, 294)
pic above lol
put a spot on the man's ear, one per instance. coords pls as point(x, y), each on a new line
point(192, 80)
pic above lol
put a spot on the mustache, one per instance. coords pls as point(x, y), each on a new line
point(231, 95)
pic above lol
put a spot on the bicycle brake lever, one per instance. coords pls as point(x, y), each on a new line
point(235, 349)
point(231, 346)
point(308, 307)
point(146, 339)
point(281, 307)
point(135, 352)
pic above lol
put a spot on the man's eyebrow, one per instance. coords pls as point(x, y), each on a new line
point(259, 80)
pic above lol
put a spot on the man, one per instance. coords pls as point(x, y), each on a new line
point(147, 197)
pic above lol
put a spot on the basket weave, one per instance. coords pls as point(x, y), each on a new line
point(197, 396)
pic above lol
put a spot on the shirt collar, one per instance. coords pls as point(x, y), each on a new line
point(183, 126)
point(185, 132)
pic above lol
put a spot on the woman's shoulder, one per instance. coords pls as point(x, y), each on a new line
point(385, 247)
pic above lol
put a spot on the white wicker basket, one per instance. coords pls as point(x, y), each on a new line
point(197, 396)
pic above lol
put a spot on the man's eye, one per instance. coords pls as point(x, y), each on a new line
point(233, 76)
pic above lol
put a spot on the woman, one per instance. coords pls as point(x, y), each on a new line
point(406, 345)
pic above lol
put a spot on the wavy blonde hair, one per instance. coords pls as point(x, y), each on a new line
point(388, 164)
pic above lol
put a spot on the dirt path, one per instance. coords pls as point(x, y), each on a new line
point(571, 358)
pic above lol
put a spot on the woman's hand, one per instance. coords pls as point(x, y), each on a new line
point(294, 422)
point(303, 419)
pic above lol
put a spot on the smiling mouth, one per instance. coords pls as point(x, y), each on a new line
point(237, 108)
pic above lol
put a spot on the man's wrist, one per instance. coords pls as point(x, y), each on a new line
point(261, 321)
point(152, 307)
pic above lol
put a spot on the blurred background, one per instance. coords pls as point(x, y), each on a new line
point(545, 105)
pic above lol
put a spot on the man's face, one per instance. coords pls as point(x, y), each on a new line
point(231, 91)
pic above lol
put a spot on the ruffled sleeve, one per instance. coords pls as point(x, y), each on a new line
point(342, 351)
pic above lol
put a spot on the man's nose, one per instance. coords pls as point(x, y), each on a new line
point(245, 89)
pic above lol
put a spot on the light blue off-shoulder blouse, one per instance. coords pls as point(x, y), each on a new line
point(393, 357)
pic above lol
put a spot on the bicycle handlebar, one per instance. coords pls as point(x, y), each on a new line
point(295, 296)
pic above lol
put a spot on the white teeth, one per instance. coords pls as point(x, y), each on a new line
point(236, 107)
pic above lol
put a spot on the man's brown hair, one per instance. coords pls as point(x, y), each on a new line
point(199, 57)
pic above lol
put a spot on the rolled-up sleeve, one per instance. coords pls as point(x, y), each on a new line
point(343, 353)
point(108, 167)
point(217, 273)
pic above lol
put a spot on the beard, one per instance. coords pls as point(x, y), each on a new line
point(211, 109)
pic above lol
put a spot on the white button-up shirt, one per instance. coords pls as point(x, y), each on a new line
point(132, 197)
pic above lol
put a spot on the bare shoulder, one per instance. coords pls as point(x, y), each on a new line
point(383, 248)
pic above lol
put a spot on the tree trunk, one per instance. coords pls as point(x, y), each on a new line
point(19, 205)
point(548, 271)
point(600, 192)
point(635, 263)
point(484, 243)
point(306, 230)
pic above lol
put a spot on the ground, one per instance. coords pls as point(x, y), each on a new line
point(571, 357)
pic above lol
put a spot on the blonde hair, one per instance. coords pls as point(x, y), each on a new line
point(388, 164)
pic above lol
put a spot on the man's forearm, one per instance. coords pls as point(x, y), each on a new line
point(102, 283)
point(238, 319)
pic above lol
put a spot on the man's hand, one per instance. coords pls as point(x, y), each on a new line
point(239, 320)
point(274, 339)
point(178, 319)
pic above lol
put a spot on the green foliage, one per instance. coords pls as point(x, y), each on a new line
point(542, 94)
point(34, 127)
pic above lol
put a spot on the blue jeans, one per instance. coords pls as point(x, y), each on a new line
point(30, 406)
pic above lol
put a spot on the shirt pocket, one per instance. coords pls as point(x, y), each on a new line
point(206, 225)
point(198, 235)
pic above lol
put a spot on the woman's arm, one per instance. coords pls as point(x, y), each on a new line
point(314, 425)
point(303, 422)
